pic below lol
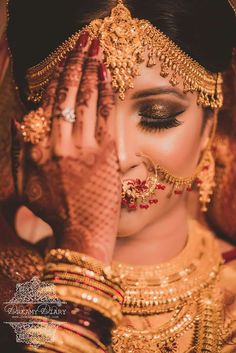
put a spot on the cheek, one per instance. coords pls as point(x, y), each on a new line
point(176, 149)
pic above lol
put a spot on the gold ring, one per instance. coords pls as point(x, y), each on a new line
point(35, 126)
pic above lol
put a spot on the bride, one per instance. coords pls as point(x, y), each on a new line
point(117, 143)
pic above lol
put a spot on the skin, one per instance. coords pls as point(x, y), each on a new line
point(159, 233)
point(137, 237)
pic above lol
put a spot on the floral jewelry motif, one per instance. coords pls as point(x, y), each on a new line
point(140, 193)
point(35, 126)
point(124, 41)
point(137, 193)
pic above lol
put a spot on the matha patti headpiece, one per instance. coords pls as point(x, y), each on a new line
point(124, 41)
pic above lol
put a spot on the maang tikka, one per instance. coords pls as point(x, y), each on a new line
point(125, 41)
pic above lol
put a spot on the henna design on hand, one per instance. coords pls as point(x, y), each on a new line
point(76, 189)
point(79, 198)
point(106, 103)
point(88, 84)
point(106, 100)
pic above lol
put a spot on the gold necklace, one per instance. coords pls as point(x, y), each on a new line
point(163, 339)
point(186, 284)
point(162, 288)
point(203, 317)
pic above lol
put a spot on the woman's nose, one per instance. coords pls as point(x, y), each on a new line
point(127, 148)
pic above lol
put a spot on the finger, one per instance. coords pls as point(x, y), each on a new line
point(41, 151)
point(66, 94)
point(49, 95)
point(106, 105)
point(86, 104)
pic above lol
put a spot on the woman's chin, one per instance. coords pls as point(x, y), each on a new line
point(131, 222)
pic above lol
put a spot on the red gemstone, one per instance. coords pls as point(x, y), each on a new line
point(132, 206)
point(178, 192)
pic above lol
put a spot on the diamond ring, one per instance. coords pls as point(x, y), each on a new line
point(68, 115)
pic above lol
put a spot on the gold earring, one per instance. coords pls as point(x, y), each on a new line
point(206, 179)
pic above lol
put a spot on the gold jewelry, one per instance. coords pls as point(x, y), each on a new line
point(85, 261)
point(124, 40)
point(182, 281)
point(134, 191)
point(206, 180)
point(204, 177)
point(35, 126)
point(204, 318)
point(156, 340)
point(106, 307)
point(65, 335)
point(161, 288)
point(139, 193)
point(68, 268)
point(208, 336)
point(84, 282)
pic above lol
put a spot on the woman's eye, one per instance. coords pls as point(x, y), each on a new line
point(158, 118)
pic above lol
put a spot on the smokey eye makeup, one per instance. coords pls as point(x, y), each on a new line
point(157, 116)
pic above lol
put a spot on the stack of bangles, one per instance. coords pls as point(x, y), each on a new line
point(92, 296)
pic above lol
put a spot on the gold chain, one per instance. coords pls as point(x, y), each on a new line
point(161, 288)
point(124, 40)
point(187, 286)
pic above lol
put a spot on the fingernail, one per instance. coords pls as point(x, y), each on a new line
point(83, 40)
point(102, 72)
point(94, 48)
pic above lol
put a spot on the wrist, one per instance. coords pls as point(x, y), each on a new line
point(79, 239)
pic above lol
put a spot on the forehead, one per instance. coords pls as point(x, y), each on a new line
point(151, 83)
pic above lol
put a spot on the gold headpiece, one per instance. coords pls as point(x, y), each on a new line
point(124, 40)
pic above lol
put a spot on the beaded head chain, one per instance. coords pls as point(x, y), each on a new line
point(124, 41)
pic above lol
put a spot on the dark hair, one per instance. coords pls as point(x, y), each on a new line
point(205, 29)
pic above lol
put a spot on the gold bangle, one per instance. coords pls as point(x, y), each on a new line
point(106, 307)
point(75, 269)
point(72, 328)
point(83, 260)
point(78, 280)
point(89, 287)
point(66, 335)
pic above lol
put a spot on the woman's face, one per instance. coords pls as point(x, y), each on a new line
point(160, 121)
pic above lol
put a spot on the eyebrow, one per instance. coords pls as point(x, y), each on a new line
point(159, 90)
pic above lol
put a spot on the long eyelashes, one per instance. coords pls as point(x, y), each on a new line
point(153, 124)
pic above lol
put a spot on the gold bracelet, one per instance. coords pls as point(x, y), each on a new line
point(98, 291)
point(86, 283)
point(106, 307)
point(83, 260)
point(75, 269)
point(66, 336)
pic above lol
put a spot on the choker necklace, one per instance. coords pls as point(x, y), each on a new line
point(186, 287)
point(162, 288)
